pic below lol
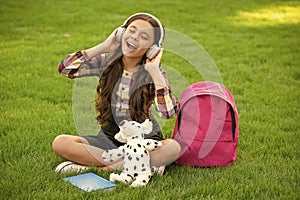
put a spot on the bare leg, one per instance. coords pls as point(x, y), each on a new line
point(163, 156)
point(77, 149)
point(166, 154)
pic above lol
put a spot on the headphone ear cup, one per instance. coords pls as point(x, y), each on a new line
point(120, 34)
point(152, 51)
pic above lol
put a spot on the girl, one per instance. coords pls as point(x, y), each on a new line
point(130, 80)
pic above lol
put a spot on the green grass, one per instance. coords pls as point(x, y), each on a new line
point(256, 48)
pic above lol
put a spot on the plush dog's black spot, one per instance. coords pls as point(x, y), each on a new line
point(134, 150)
point(119, 154)
point(143, 165)
point(139, 145)
point(129, 176)
point(143, 169)
point(142, 155)
point(134, 168)
point(148, 143)
point(135, 174)
point(137, 158)
point(144, 181)
point(145, 152)
point(129, 158)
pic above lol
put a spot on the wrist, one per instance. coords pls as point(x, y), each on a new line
point(159, 87)
point(159, 81)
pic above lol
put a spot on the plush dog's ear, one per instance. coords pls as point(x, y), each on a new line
point(147, 126)
point(120, 138)
point(147, 123)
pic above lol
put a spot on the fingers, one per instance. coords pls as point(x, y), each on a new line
point(159, 55)
point(113, 37)
point(118, 30)
point(118, 34)
point(113, 42)
point(157, 58)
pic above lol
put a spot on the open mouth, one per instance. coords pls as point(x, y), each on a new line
point(131, 46)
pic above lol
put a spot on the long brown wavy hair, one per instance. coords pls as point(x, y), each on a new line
point(142, 90)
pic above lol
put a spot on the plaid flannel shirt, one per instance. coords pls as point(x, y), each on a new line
point(77, 65)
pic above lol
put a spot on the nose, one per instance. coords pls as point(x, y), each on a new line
point(134, 36)
point(122, 123)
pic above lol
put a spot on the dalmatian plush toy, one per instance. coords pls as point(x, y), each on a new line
point(135, 153)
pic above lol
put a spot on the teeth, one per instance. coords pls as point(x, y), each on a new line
point(131, 46)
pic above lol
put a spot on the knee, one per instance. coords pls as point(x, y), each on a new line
point(176, 148)
point(58, 144)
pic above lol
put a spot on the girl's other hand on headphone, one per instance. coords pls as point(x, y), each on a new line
point(154, 69)
point(111, 44)
point(152, 66)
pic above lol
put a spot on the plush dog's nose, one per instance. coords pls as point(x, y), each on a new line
point(122, 123)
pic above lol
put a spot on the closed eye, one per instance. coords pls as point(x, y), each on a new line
point(132, 29)
point(145, 36)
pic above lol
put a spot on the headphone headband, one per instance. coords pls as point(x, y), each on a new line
point(157, 20)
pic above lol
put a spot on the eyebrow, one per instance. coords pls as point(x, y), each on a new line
point(132, 26)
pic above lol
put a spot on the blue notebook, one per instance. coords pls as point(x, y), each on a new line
point(89, 182)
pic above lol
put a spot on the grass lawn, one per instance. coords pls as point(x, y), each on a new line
point(255, 46)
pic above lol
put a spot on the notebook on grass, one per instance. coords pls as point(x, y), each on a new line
point(89, 182)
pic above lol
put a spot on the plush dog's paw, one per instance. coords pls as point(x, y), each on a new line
point(150, 144)
point(114, 177)
point(159, 144)
point(106, 156)
point(139, 183)
point(112, 155)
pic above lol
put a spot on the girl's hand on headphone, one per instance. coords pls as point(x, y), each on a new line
point(111, 44)
point(152, 66)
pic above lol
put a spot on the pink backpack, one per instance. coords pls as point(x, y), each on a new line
point(207, 126)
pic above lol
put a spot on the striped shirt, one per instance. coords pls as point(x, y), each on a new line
point(77, 65)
